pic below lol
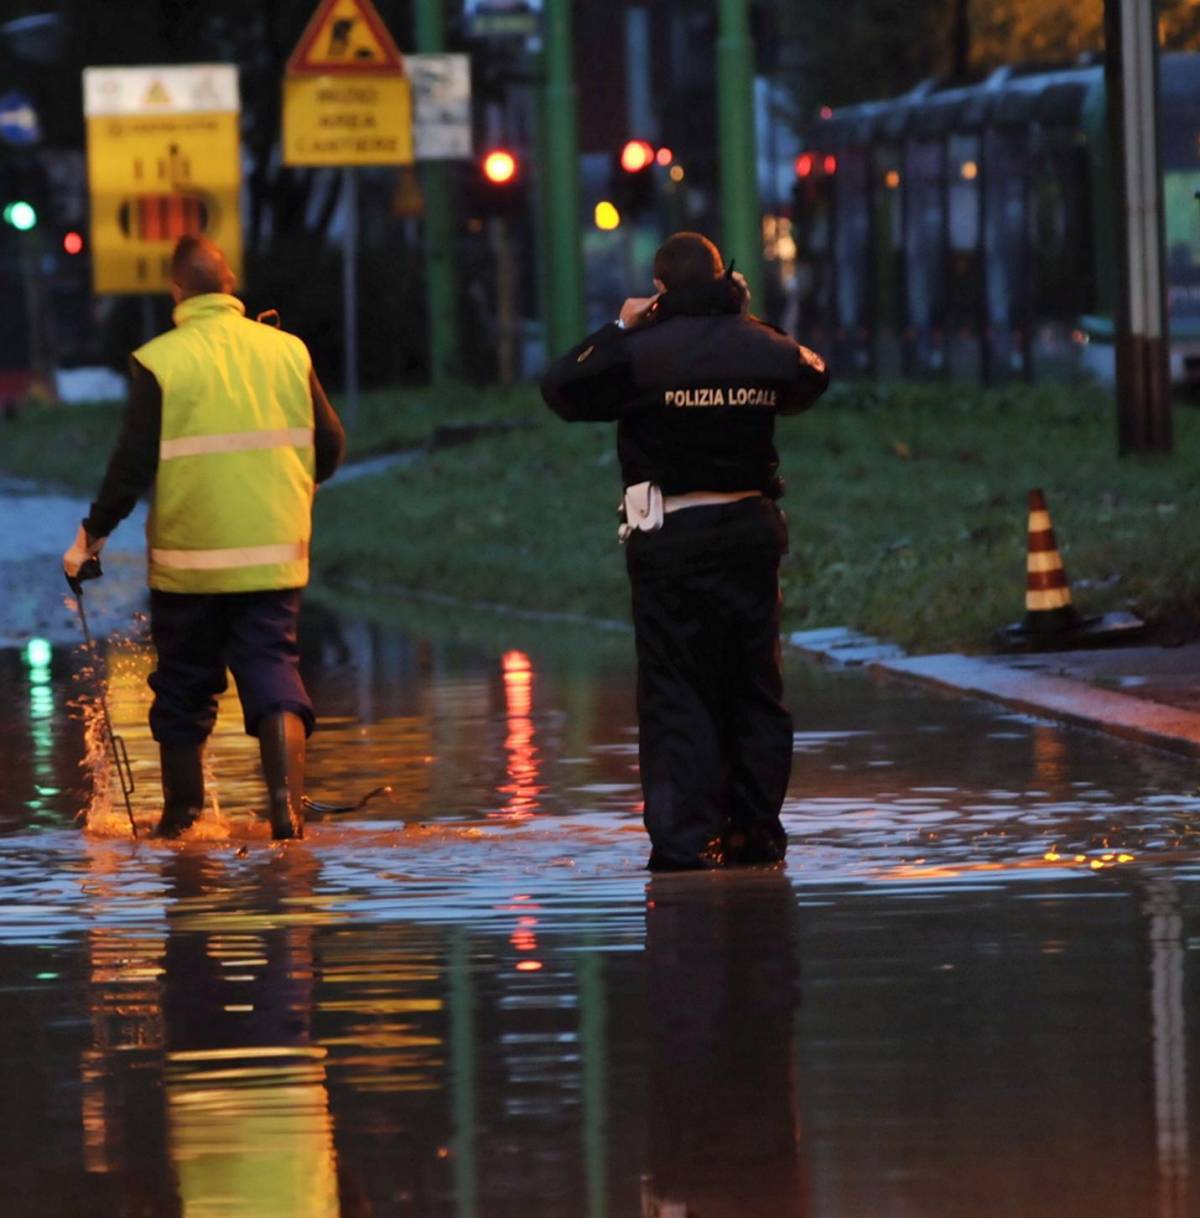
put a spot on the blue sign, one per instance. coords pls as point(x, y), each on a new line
point(18, 120)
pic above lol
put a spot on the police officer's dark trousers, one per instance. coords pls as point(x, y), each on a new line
point(196, 636)
point(715, 740)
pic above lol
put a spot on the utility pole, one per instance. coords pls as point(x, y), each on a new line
point(350, 293)
point(436, 187)
point(741, 212)
point(1142, 339)
point(562, 250)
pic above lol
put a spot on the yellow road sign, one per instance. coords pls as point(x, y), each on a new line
point(347, 120)
point(163, 161)
point(346, 99)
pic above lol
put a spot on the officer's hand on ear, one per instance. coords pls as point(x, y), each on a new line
point(82, 549)
point(636, 309)
point(740, 280)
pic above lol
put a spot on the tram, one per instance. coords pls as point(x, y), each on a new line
point(967, 231)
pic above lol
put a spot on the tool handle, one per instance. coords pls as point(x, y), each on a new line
point(89, 570)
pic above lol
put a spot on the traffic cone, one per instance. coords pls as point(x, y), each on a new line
point(1048, 607)
point(1051, 620)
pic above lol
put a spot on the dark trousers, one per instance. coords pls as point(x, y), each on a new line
point(197, 636)
point(715, 739)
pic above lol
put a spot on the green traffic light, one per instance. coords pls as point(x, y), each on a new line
point(20, 215)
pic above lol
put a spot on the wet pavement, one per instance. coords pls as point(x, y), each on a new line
point(973, 993)
point(39, 524)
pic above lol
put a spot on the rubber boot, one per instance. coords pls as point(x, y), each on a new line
point(183, 787)
point(282, 741)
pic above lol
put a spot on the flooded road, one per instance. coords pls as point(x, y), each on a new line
point(972, 994)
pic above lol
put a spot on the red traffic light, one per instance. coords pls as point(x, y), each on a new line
point(72, 243)
point(499, 166)
point(636, 156)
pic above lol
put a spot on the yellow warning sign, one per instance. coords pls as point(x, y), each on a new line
point(345, 36)
point(346, 99)
point(163, 161)
point(347, 120)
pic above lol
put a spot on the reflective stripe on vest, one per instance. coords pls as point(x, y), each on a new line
point(235, 442)
point(223, 560)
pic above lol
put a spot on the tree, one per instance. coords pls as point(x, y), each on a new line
point(857, 50)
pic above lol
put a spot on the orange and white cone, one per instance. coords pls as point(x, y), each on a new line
point(1048, 608)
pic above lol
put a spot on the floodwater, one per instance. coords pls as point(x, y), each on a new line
point(973, 993)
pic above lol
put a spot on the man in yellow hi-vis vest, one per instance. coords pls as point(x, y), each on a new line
point(229, 424)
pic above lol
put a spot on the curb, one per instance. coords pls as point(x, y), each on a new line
point(1062, 698)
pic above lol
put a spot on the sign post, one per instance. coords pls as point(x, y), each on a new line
point(347, 102)
point(442, 133)
point(163, 161)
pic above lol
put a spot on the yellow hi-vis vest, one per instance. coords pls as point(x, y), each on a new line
point(232, 508)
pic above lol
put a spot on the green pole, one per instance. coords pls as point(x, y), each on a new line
point(563, 252)
point(741, 213)
point(592, 1017)
point(440, 296)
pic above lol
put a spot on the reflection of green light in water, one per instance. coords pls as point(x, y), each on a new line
point(38, 653)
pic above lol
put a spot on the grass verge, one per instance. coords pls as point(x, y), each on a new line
point(68, 446)
point(907, 507)
point(906, 504)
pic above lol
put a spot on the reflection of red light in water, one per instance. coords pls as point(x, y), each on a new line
point(528, 966)
point(524, 766)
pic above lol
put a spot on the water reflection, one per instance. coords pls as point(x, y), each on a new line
point(723, 987)
point(247, 1107)
point(521, 791)
point(468, 1000)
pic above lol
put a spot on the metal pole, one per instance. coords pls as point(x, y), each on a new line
point(440, 295)
point(741, 212)
point(506, 300)
point(563, 251)
point(350, 293)
point(1143, 372)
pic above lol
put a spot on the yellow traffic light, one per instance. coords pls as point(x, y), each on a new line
point(606, 216)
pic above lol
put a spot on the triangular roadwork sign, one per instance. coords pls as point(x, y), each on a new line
point(346, 36)
point(157, 95)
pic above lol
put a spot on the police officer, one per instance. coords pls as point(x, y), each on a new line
point(228, 422)
point(695, 384)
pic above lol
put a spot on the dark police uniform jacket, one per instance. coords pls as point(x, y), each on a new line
point(695, 390)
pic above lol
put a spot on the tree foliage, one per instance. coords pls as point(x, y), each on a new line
point(860, 49)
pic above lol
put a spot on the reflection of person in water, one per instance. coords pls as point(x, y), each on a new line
point(250, 1131)
point(723, 993)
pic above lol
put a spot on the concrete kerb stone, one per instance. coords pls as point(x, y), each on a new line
point(995, 678)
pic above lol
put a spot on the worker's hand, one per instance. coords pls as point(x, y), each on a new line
point(82, 549)
point(636, 309)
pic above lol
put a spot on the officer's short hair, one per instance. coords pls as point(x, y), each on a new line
point(687, 259)
point(198, 266)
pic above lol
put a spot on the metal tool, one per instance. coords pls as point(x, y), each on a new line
point(91, 570)
point(321, 808)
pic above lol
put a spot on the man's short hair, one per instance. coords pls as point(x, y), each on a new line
point(686, 260)
point(198, 266)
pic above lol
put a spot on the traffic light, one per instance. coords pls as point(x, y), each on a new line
point(498, 187)
point(21, 215)
point(633, 182)
point(500, 167)
point(72, 242)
